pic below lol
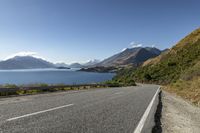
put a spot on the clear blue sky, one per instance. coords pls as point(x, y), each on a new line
point(79, 30)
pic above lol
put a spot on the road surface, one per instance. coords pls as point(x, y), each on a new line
point(112, 110)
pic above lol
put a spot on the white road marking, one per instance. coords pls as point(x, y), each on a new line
point(118, 93)
point(140, 125)
point(39, 112)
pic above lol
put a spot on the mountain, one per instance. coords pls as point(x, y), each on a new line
point(61, 65)
point(76, 65)
point(25, 62)
point(30, 62)
point(91, 62)
point(133, 56)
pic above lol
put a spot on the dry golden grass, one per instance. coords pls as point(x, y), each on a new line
point(155, 60)
point(188, 40)
point(189, 90)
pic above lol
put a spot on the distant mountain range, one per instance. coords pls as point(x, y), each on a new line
point(25, 62)
point(79, 65)
point(61, 65)
point(91, 62)
point(76, 65)
point(131, 56)
point(30, 62)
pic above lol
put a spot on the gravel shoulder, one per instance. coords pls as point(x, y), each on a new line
point(178, 115)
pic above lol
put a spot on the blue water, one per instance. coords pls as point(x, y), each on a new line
point(51, 76)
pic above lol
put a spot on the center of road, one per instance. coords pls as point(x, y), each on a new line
point(39, 112)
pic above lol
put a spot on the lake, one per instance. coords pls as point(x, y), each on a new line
point(51, 76)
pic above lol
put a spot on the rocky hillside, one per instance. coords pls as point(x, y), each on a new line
point(130, 56)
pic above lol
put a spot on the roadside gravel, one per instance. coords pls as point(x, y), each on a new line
point(178, 115)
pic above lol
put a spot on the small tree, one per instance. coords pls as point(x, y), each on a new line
point(147, 76)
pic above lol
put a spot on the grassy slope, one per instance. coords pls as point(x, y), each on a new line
point(179, 68)
point(188, 89)
point(188, 85)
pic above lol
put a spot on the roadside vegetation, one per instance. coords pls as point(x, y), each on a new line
point(120, 83)
point(12, 89)
point(188, 85)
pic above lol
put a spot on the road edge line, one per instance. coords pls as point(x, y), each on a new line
point(140, 125)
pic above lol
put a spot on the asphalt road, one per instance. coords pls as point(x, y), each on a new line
point(112, 110)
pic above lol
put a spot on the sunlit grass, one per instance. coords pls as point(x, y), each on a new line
point(189, 89)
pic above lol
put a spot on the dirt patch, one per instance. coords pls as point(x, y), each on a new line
point(178, 115)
